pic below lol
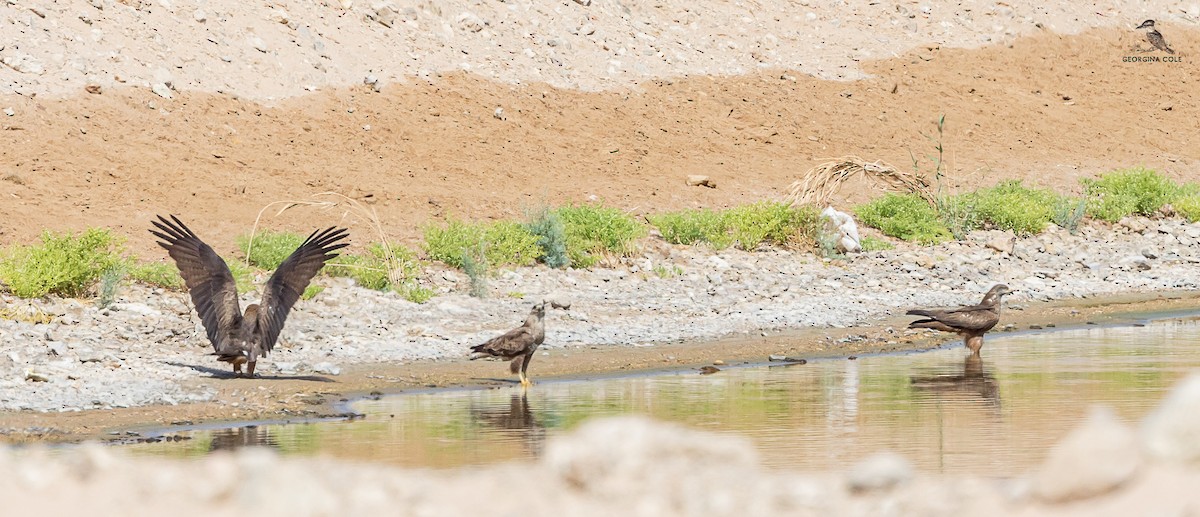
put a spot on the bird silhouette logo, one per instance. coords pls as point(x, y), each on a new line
point(1155, 38)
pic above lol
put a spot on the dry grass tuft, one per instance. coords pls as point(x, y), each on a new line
point(818, 185)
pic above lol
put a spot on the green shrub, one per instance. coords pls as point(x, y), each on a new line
point(63, 264)
point(1069, 212)
point(745, 226)
point(268, 248)
point(548, 226)
point(475, 264)
point(503, 243)
point(1011, 206)
point(1128, 191)
point(158, 274)
point(110, 283)
point(593, 230)
point(694, 226)
point(1188, 207)
point(870, 243)
point(904, 216)
point(375, 271)
point(772, 223)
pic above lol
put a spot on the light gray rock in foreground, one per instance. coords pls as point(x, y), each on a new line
point(1172, 432)
point(1093, 459)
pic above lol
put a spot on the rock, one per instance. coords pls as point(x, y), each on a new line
point(1093, 459)
point(23, 63)
point(258, 44)
point(57, 348)
point(709, 370)
point(469, 22)
point(499, 114)
point(1002, 243)
point(93, 89)
point(614, 457)
point(31, 375)
point(384, 13)
point(841, 227)
point(698, 180)
point(327, 368)
point(9, 112)
point(161, 90)
point(200, 16)
point(584, 3)
point(559, 301)
point(1172, 432)
point(880, 471)
point(288, 367)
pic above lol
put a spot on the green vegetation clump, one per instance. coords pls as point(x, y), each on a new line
point(243, 275)
point(773, 223)
point(1069, 212)
point(63, 264)
point(593, 230)
point(870, 243)
point(110, 283)
point(1188, 207)
point(1128, 191)
point(504, 243)
point(694, 226)
point(475, 264)
point(158, 274)
point(376, 271)
point(311, 291)
point(551, 233)
point(745, 226)
point(904, 216)
point(1010, 206)
point(268, 249)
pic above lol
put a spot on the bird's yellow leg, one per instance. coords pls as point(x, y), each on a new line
point(525, 382)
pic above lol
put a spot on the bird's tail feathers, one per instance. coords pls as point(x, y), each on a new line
point(919, 312)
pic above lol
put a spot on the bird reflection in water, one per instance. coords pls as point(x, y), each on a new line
point(238, 437)
point(972, 380)
point(517, 421)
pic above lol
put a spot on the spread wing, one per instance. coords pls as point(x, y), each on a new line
point(508, 344)
point(288, 282)
point(972, 318)
point(213, 290)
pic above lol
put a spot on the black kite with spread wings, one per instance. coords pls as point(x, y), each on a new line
point(241, 338)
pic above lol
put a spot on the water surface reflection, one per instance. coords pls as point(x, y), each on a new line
point(946, 410)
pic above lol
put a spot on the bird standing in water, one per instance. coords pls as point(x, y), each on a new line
point(517, 345)
point(971, 322)
point(241, 338)
point(1154, 37)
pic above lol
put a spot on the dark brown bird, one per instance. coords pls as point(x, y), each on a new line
point(1154, 37)
point(972, 321)
point(241, 338)
point(517, 345)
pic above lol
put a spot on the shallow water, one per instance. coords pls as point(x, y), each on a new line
point(942, 409)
